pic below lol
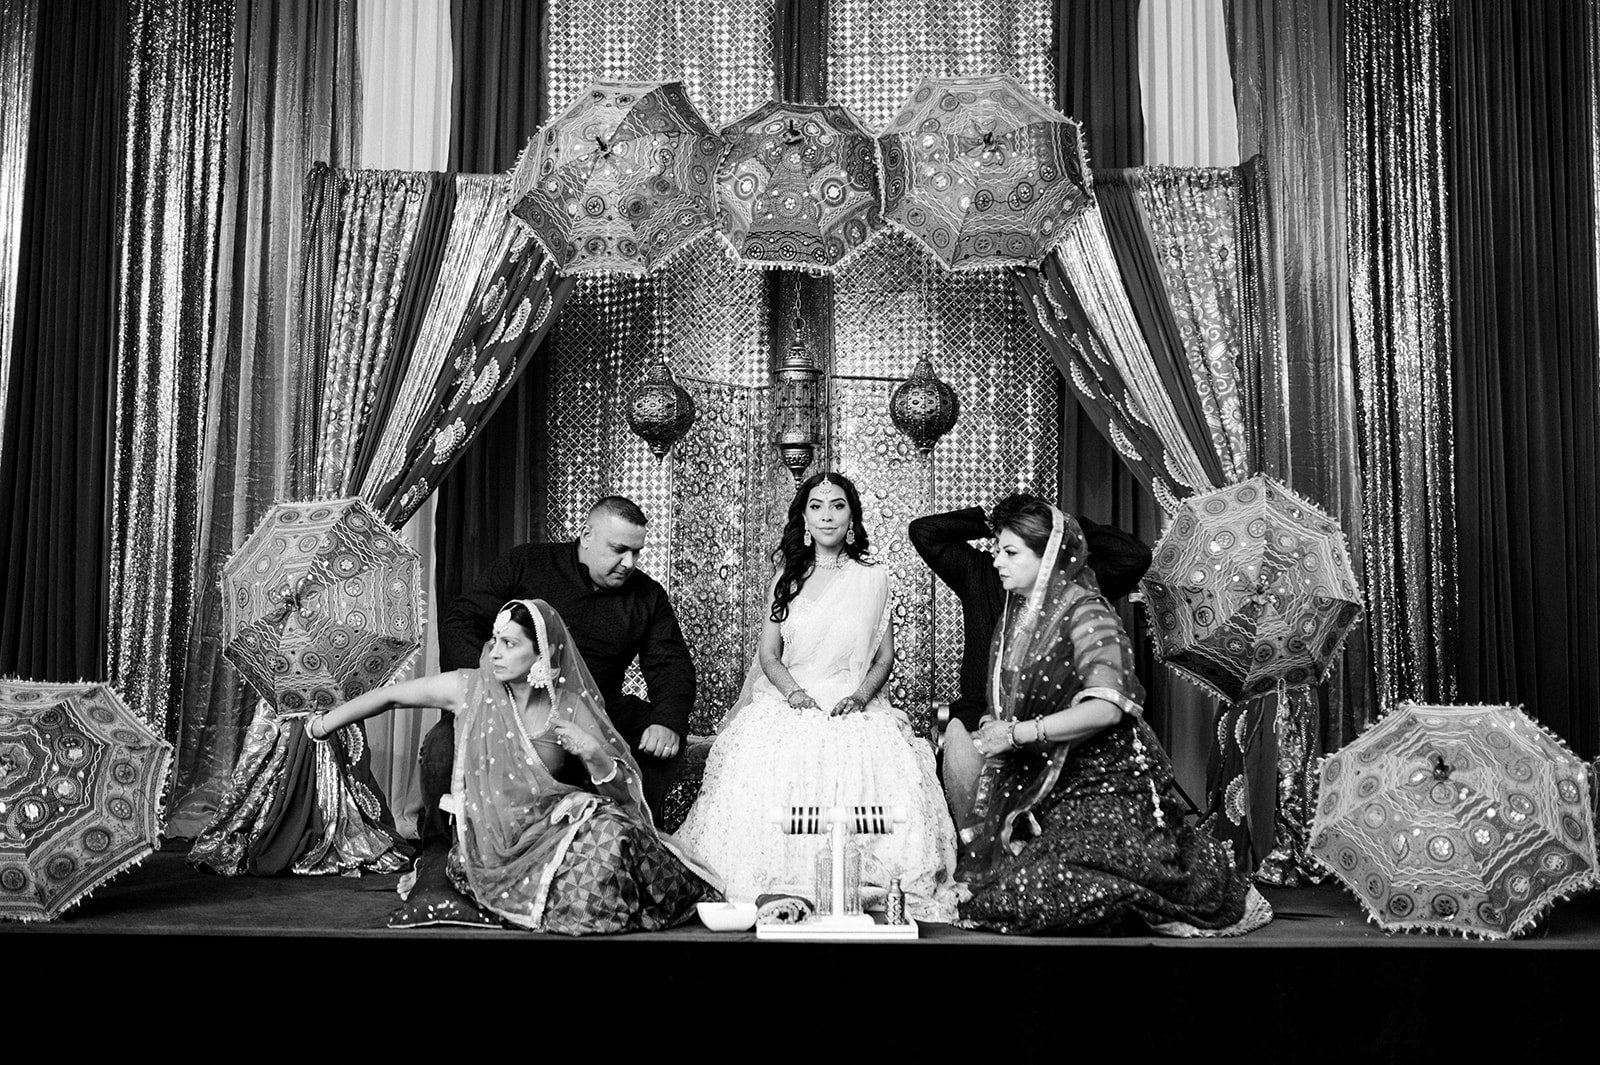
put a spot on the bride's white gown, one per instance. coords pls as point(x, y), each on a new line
point(769, 756)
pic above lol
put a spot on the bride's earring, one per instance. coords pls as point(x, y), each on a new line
point(808, 538)
point(850, 534)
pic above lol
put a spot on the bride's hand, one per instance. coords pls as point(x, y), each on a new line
point(800, 699)
point(850, 704)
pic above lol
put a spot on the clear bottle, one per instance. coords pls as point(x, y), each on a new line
point(852, 876)
point(894, 904)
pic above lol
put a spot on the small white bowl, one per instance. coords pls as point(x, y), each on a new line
point(727, 916)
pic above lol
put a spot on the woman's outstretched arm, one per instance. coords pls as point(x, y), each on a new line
point(442, 690)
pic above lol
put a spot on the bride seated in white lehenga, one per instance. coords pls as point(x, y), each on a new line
point(813, 727)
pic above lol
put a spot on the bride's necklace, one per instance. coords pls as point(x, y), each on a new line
point(836, 562)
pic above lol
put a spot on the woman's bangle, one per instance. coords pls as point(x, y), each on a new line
point(311, 728)
point(1014, 742)
point(616, 767)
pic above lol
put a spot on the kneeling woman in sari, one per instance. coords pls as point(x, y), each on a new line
point(1062, 795)
point(535, 852)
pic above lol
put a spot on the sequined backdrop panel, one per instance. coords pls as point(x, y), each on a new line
point(879, 50)
point(890, 303)
point(704, 315)
point(985, 347)
point(179, 77)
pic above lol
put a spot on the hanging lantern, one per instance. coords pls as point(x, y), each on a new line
point(924, 407)
point(659, 410)
point(796, 431)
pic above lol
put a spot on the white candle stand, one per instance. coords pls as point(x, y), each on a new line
point(839, 822)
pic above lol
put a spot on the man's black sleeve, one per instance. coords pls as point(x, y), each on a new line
point(470, 620)
point(941, 540)
point(668, 669)
point(1117, 558)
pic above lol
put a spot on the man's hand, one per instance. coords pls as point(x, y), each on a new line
point(659, 741)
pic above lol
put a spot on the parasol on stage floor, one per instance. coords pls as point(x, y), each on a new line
point(798, 187)
point(81, 779)
point(983, 173)
point(1467, 819)
point(620, 180)
point(323, 602)
point(1251, 590)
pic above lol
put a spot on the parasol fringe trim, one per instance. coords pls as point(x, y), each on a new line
point(762, 265)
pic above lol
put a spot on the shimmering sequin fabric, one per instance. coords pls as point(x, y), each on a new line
point(1107, 857)
point(1085, 838)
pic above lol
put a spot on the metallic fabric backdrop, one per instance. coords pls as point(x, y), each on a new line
point(717, 503)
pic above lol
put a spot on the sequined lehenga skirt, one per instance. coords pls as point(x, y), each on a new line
point(1112, 855)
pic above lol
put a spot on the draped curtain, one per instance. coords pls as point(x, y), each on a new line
point(494, 500)
point(1523, 324)
point(179, 66)
point(407, 71)
point(1191, 215)
point(1299, 369)
point(17, 20)
point(292, 102)
point(53, 536)
point(1400, 302)
point(1187, 84)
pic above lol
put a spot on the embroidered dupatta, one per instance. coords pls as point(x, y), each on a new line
point(514, 820)
point(1060, 645)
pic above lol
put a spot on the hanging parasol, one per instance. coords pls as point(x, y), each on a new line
point(323, 602)
point(1466, 819)
point(983, 173)
point(81, 779)
point(621, 180)
point(1251, 589)
point(798, 187)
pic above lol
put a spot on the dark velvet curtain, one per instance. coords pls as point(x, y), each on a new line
point(494, 498)
point(53, 471)
point(1524, 329)
point(1097, 77)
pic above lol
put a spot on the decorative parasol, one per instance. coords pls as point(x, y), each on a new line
point(798, 187)
point(1251, 589)
point(983, 173)
point(323, 602)
point(81, 779)
point(619, 181)
point(1467, 819)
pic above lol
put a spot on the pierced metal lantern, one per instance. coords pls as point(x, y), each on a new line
point(924, 407)
point(660, 411)
point(795, 420)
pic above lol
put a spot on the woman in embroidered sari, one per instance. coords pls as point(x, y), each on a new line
point(532, 851)
point(1062, 793)
point(812, 726)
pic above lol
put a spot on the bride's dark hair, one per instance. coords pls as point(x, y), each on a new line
point(796, 559)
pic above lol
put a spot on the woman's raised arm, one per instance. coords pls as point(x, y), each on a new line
point(442, 690)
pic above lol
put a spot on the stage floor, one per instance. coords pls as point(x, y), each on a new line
point(1317, 981)
point(166, 897)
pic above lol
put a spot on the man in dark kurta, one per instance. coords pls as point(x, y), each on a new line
point(615, 613)
point(1118, 561)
